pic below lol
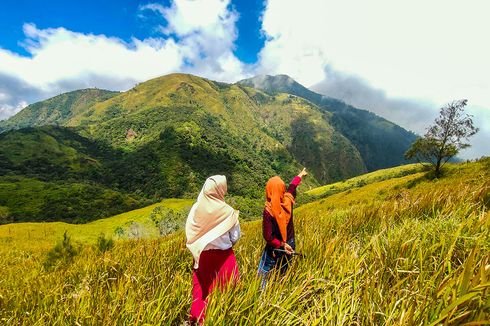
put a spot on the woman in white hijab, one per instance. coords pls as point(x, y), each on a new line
point(212, 228)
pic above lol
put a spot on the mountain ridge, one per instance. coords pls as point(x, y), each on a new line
point(372, 135)
point(57, 109)
point(183, 128)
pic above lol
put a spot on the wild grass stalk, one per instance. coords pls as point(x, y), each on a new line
point(405, 255)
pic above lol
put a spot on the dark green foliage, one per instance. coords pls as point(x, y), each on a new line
point(119, 231)
point(5, 216)
point(445, 138)
point(34, 200)
point(381, 143)
point(104, 244)
point(250, 208)
point(54, 153)
point(87, 203)
point(62, 254)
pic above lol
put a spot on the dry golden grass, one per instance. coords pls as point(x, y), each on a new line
point(407, 251)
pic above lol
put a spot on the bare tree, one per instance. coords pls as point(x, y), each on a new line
point(445, 138)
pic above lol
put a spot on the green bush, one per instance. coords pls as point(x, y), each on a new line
point(119, 231)
point(104, 244)
point(250, 208)
point(62, 254)
point(168, 220)
point(4, 215)
point(30, 199)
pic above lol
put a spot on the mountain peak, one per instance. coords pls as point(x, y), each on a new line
point(280, 84)
point(271, 84)
point(177, 77)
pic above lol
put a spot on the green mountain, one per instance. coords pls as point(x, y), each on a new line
point(56, 110)
point(52, 153)
point(162, 138)
point(380, 142)
point(52, 173)
point(198, 120)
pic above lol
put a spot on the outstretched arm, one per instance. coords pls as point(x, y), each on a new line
point(296, 181)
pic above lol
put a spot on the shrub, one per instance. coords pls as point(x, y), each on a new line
point(119, 231)
point(168, 220)
point(62, 253)
point(5, 215)
point(250, 208)
point(104, 244)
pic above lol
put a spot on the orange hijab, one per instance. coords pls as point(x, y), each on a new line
point(279, 203)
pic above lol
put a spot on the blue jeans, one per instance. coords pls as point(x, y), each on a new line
point(269, 262)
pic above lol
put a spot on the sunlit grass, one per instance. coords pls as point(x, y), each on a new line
point(359, 181)
point(404, 251)
point(33, 236)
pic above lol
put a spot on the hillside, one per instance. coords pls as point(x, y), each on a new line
point(53, 153)
point(162, 139)
point(52, 173)
point(380, 142)
point(205, 118)
point(359, 181)
point(403, 250)
point(133, 224)
point(56, 110)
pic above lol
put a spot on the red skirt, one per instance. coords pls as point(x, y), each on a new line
point(216, 267)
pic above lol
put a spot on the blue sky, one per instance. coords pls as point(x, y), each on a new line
point(119, 18)
point(400, 59)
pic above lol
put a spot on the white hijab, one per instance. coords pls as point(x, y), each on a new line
point(210, 217)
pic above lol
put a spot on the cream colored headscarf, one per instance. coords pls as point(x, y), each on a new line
point(210, 217)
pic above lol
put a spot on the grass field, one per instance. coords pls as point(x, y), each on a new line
point(359, 181)
point(33, 236)
point(406, 250)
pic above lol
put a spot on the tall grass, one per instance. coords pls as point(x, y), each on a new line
point(414, 253)
point(32, 237)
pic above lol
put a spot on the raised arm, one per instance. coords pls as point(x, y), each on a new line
point(296, 181)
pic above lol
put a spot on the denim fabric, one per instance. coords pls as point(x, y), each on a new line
point(269, 262)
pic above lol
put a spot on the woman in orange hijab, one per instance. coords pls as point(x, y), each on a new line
point(277, 225)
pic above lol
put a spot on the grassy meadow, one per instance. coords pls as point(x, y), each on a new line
point(359, 181)
point(32, 237)
point(399, 250)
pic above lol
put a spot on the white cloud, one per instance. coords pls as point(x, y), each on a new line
point(200, 40)
point(427, 49)
point(429, 52)
point(7, 110)
point(59, 53)
point(400, 59)
point(185, 17)
point(206, 30)
point(408, 113)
